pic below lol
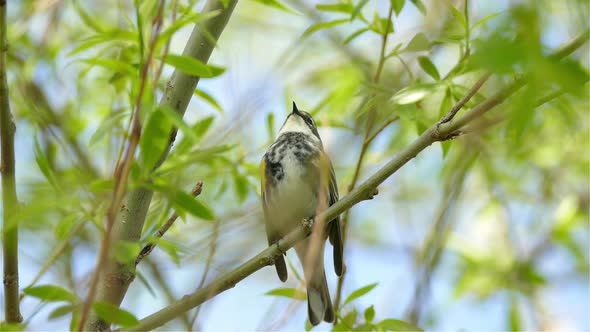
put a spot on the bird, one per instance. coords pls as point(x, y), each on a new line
point(297, 178)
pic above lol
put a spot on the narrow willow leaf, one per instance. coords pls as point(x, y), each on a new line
point(191, 205)
point(61, 311)
point(354, 35)
point(51, 293)
point(178, 122)
point(413, 93)
point(428, 67)
point(369, 314)
point(111, 64)
point(106, 125)
point(125, 251)
point(398, 5)
point(44, 166)
point(209, 99)
point(420, 5)
point(358, 8)
point(419, 43)
point(457, 13)
point(323, 25)
point(379, 24)
point(241, 186)
point(484, 20)
point(155, 138)
point(114, 314)
point(277, 5)
point(291, 293)
point(90, 21)
point(192, 66)
point(336, 7)
point(358, 293)
point(398, 325)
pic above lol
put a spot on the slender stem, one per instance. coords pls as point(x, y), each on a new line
point(121, 174)
point(9, 199)
point(148, 248)
point(367, 140)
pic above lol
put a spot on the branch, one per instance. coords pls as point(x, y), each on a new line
point(115, 277)
point(162, 230)
point(266, 257)
point(9, 199)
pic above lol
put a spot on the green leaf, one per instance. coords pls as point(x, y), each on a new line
point(358, 293)
point(178, 122)
point(354, 35)
point(398, 5)
point(369, 314)
point(349, 320)
point(379, 25)
point(420, 5)
point(62, 311)
point(90, 20)
point(323, 25)
point(114, 314)
point(44, 166)
point(419, 43)
point(192, 66)
point(201, 127)
point(336, 7)
point(428, 67)
point(51, 293)
point(241, 186)
point(484, 20)
point(398, 325)
point(457, 13)
point(184, 21)
point(358, 8)
point(270, 125)
point(291, 293)
point(125, 251)
point(413, 93)
point(113, 65)
point(277, 5)
point(514, 315)
point(111, 121)
point(209, 99)
point(155, 138)
point(192, 205)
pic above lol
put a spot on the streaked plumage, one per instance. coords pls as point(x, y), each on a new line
point(292, 171)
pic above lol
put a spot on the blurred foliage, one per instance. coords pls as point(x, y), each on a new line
point(74, 78)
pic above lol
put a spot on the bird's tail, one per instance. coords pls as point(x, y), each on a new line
point(319, 304)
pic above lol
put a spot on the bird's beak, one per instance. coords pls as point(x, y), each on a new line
point(295, 110)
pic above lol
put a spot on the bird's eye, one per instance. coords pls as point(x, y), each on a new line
point(308, 120)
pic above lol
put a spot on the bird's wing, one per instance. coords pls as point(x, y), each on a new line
point(334, 227)
point(271, 234)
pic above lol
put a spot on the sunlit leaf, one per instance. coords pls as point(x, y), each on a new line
point(381, 25)
point(398, 5)
point(358, 293)
point(323, 25)
point(369, 314)
point(336, 7)
point(51, 293)
point(114, 314)
point(155, 138)
point(61, 311)
point(354, 35)
point(44, 166)
point(277, 5)
point(192, 66)
point(413, 93)
point(358, 8)
point(292, 293)
point(420, 5)
point(398, 325)
point(209, 99)
point(428, 67)
point(417, 44)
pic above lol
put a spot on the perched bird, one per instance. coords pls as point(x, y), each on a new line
point(297, 178)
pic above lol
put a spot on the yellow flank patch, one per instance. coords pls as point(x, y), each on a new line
point(263, 174)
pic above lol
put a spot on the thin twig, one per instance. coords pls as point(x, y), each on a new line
point(362, 192)
point(122, 172)
point(148, 248)
point(9, 199)
point(449, 116)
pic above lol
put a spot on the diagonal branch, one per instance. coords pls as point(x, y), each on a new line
point(433, 134)
point(9, 199)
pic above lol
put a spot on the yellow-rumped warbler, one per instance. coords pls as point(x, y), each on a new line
point(297, 179)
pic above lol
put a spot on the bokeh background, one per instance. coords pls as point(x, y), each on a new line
point(486, 232)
